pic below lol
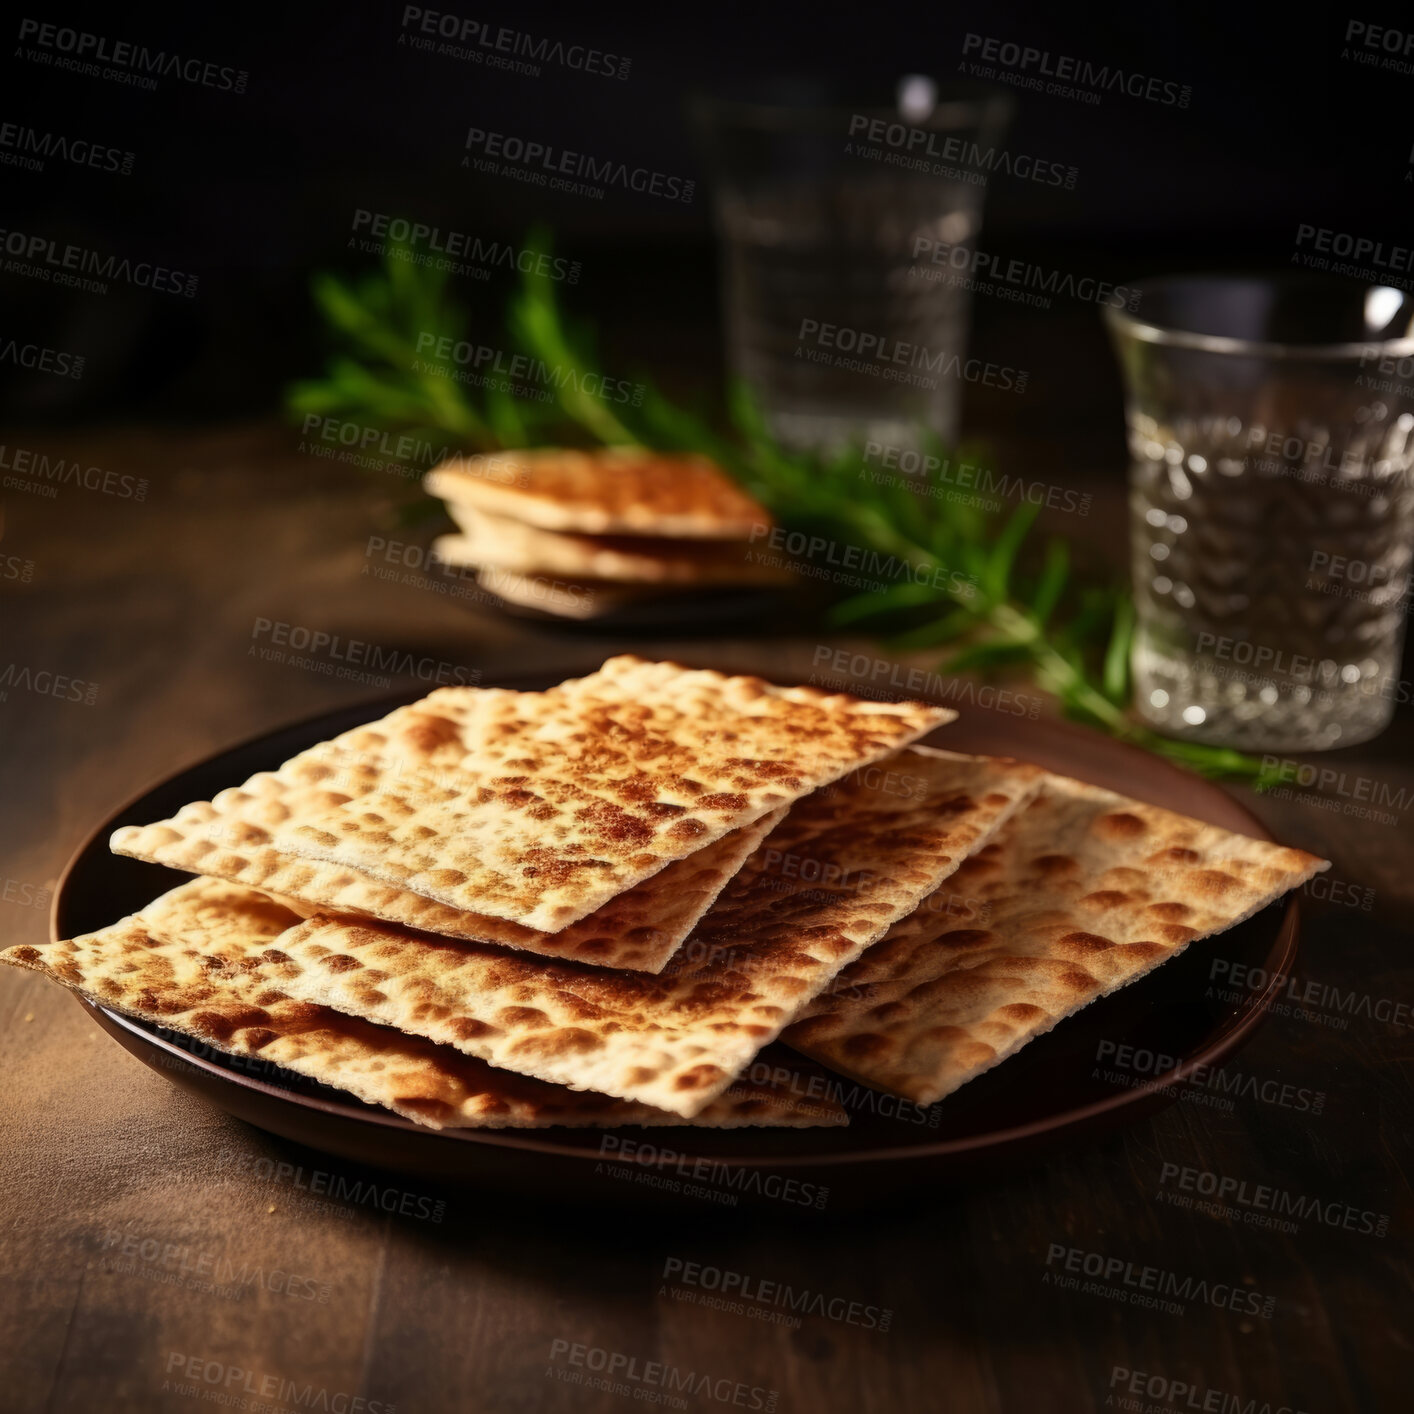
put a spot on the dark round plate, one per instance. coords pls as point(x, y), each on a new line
point(1055, 1090)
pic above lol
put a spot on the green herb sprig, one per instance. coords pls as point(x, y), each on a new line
point(970, 578)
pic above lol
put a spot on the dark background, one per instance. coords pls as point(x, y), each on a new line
point(253, 192)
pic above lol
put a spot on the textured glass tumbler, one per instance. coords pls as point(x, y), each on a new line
point(843, 230)
point(1271, 439)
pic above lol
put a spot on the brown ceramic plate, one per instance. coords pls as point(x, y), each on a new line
point(1051, 1093)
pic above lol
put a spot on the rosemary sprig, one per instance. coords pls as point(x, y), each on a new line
point(965, 581)
point(383, 379)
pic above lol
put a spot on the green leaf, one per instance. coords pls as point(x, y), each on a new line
point(1054, 574)
point(879, 601)
point(1116, 670)
point(996, 577)
point(506, 419)
point(940, 630)
point(994, 654)
point(535, 321)
point(1218, 762)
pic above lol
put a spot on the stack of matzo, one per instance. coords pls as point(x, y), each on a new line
point(595, 905)
point(582, 534)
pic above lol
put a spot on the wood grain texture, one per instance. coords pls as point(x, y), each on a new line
point(159, 604)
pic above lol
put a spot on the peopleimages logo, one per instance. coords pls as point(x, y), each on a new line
point(543, 164)
point(1142, 1285)
point(458, 38)
point(883, 674)
point(1330, 780)
point(911, 148)
point(28, 148)
point(1133, 1065)
point(1262, 1204)
point(833, 1090)
point(1267, 661)
point(517, 373)
point(225, 1384)
point(360, 444)
point(1307, 998)
point(1374, 360)
point(874, 566)
point(16, 567)
point(44, 258)
point(41, 359)
point(335, 649)
point(24, 894)
point(898, 360)
point(737, 1287)
point(1379, 46)
point(1015, 279)
point(458, 246)
point(44, 682)
point(340, 1188)
point(1341, 253)
point(1068, 77)
point(1386, 585)
point(943, 478)
point(653, 1381)
point(172, 1263)
point(662, 1167)
point(1327, 889)
point(1180, 1394)
point(38, 471)
point(88, 51)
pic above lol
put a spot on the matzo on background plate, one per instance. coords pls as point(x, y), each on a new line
point(609, 491)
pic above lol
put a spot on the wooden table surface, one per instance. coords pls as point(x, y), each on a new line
point(150, 1262)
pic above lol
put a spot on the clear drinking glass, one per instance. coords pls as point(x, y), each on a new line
point(1271, 438)
point(831, 218)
